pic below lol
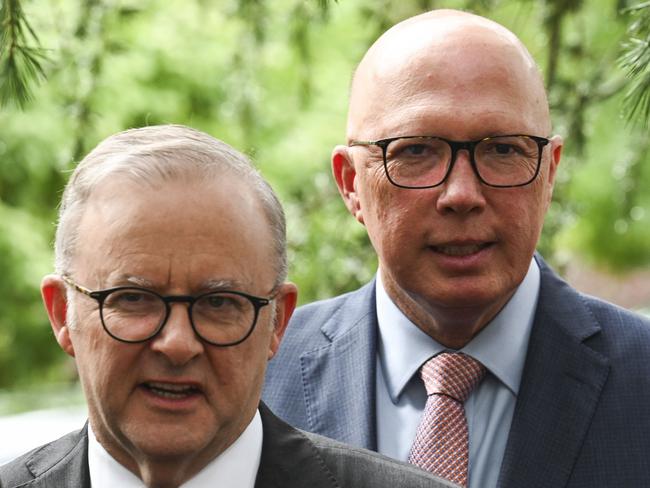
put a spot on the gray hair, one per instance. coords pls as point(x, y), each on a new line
point(159, 154)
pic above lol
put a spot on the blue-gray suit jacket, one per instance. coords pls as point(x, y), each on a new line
point(290, 459)
point(582, 417)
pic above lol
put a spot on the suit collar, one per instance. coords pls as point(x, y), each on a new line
point(289, 459)
point(562, 382)
point(347, 362)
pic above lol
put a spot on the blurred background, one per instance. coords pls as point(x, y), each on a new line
point(271, 77)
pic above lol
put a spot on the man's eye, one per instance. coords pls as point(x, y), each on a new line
point(503, 149)
point(416, 150)
point(132, 297)
point(223, 302)
point(216, 301)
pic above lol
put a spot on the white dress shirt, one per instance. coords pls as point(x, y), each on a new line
point(236, 467)
point(501, 347)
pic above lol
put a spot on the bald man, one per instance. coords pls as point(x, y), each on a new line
point(450, 164)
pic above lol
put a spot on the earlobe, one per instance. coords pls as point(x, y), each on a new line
point(285, 305)
point(53, 291)
point(345, 175)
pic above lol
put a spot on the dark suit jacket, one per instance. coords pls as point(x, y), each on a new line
point(290, 459)
point(582, 417)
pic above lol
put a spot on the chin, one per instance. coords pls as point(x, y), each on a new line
point(475, 295)
point(164, 446)
point(166, 441)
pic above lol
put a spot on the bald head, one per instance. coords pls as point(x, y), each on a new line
point(445, 59)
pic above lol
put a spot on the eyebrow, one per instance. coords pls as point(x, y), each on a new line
point(126, 279)
point(136, 280)
point(214, 284)
point(222, 284)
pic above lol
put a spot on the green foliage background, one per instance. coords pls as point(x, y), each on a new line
point(271, 78)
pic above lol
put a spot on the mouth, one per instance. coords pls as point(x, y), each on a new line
point(172, 391)
point(461, 250)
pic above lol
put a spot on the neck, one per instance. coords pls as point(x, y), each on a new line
point(165, 472)
point(451, 326)
point(161, 467)
point(161, 475)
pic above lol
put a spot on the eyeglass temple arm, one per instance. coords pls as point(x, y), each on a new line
point(77, 287)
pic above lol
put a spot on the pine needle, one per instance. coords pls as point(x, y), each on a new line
point(635, 60)
point(21, 65)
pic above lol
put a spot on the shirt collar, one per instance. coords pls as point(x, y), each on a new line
point(236, 467)
point(501, 346)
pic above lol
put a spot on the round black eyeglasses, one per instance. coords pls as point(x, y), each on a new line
point(132, 314)
point(426, 161)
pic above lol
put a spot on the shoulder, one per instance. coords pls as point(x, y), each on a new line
point(52, 460)
point(328, 319)
point(356, 467)
point(317, 336)
point(315, 326)
point(293, 457)
point(622, 331)
point(606, 327)
point(353, 303)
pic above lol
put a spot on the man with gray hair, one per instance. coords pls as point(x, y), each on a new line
point(170, 295)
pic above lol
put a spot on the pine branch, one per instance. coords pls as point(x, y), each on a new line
point(21, 65)
point(635, 60)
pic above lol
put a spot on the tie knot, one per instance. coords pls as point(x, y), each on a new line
point(455, 375)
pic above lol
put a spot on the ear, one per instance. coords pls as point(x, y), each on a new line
point(285, 305)
point(345, 175)
point(557, 144)
point(556, 154)
point(54, 295)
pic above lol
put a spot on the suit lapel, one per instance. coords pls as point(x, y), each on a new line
point(562, 381)
point(339, 378)
point(289, 459)
point(61, 463)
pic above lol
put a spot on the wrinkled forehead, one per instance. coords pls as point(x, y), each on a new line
point(176, 230)
point(455, 57)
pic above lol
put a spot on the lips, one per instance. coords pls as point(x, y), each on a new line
point(173, 391)
point(461, 249)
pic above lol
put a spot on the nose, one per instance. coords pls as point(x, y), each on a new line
point(177, 341)
point(462, 191)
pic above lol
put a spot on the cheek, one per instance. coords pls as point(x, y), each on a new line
point(524, 217)
point(540, 200)
point(387, 209)
point(241, 367)
point(104, 364)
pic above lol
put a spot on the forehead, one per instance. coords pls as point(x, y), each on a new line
point(175, 233)
point(426, 74)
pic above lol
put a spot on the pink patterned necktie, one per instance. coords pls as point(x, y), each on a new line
point(441, 442)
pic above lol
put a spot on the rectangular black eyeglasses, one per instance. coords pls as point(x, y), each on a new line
point(418, 162)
